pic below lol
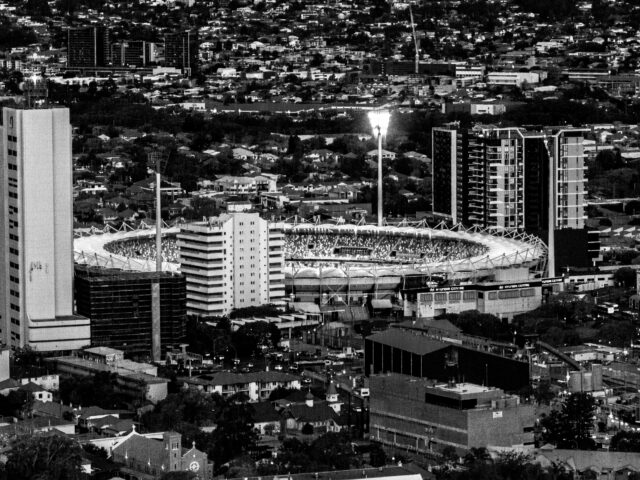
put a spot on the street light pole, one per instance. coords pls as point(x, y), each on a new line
point(379, 120)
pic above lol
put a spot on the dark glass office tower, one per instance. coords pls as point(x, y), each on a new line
point(119, 305)
point(88, 47)
point(181, 51)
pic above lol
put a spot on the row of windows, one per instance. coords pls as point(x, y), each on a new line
point(12, 138)
point(471, 295)
point(14, 265)
point(13, 237)
point(13, 166)
point(13, 195)
point(14, 293)
point(15, 307)
point(14, 279)
point(12, 153)
point(507, 294)
point(14, 251)
point(15, 321)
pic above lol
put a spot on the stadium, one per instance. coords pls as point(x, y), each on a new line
point(349, 262)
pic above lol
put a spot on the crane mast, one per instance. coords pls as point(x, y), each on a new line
point(415, 41)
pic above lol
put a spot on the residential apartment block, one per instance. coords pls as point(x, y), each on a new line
point(510, 177)
point(231, 261)
point(36, 226)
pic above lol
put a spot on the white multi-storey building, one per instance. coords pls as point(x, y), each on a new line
point(36, 226)
point(231, 261)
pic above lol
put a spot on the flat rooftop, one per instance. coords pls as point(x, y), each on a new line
point(464, 388)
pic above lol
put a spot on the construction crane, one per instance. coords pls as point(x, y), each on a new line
point(415, 41)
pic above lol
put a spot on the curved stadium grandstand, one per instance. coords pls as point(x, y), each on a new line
point(351, 260)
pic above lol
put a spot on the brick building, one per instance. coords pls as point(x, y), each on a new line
point(421, 415)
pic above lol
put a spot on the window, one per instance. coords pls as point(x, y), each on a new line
point(469, 295)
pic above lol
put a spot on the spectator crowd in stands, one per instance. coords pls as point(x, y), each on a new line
point(301, 246)
point(145, 248)
point(305, 246)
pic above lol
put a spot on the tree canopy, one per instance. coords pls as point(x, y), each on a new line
point(44, 457)
point(571, 426)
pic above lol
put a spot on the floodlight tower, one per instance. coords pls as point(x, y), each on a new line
point(379, 120)
point(156, 159)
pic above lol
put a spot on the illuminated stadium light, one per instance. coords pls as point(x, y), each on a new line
point(379, 120)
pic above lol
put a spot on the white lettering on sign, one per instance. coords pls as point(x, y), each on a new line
point(497, 414)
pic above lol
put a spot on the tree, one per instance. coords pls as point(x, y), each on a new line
point(234, 434)
point(37, 8)
point(377, 456)
point(27, 362)
point(543, 393)
point(625, 276)
point(44, 457)
point(280, 392)
point(625, 441)
point(16, 403)
point(570, 427)
point(248, 339)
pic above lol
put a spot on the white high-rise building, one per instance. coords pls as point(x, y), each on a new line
point(36, 226)
point(231, 261)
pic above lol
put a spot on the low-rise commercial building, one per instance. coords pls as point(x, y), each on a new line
point(130, 380)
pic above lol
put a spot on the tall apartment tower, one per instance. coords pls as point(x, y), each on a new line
point(510, 177)
point(36, 225)
point(88, 47)
point(478, 175)
point(532, 180)
point(181, 51)
point(231, 261)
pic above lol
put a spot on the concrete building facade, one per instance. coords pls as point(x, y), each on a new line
point(423, 416)
point(36, 225)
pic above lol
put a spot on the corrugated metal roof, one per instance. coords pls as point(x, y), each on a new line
point(418, 344)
